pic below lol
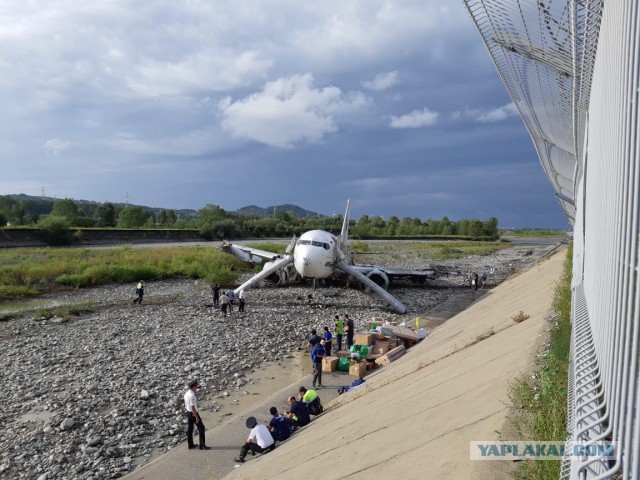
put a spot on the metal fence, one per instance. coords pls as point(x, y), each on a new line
point(572, 70)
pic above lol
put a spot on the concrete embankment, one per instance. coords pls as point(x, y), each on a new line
point(415, 417)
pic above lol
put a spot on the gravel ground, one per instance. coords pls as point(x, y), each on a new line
point(89, 397)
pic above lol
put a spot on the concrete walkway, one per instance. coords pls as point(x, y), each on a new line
point(415, 417)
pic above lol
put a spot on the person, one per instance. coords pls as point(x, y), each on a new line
point(215, 290)
point(327, 341)
point(139, 292)
point(241, 301)
point(224, 304)
point(339, 331)
point(317, 354)
point(279, 426)
point(349, 328)
point(297, 413)
point(312, 400)
point(470, 278)
point(193, 417)
point(474, 282)
point(231, 294)
point(259, 440)
point(314, 339)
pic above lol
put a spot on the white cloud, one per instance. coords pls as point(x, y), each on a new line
point(287, 111)
point(415, 119)
point(487, 116)
point(55, 146)
point(382, 81)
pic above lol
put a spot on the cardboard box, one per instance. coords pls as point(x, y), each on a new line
point(343, 354)
point(391, 356)
point(357, 369)
point(381, 346)
point(329, 364)
point(364, 339)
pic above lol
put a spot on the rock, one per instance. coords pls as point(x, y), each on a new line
point(67, 424)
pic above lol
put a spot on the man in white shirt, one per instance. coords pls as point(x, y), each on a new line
point(259, 441)
point(193, 416)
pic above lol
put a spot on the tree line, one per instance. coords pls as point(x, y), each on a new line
point(213, 222)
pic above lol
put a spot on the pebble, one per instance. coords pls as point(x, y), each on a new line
point(113, 380)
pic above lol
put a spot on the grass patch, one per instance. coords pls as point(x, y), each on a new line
point(455, 250)
point(28, 272)
point(539, 402)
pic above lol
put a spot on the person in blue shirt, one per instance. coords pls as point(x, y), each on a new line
point(317, 354)
point(327, 341)
point(279, 426)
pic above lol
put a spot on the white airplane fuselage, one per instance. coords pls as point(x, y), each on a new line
point(315, 254)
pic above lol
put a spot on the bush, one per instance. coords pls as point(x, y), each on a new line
point(55, 230)
point(73, 280)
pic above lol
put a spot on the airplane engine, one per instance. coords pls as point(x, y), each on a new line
point(379, 277)
point(279, 277)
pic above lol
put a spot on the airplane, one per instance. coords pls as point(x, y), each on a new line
point(319, 254)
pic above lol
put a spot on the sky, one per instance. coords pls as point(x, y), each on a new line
point(183, 103)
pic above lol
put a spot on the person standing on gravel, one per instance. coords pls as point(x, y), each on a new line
point(339, 331)
point(215, 291)
point(349, 328)
point(224, 304)
point(139, 292)
point(241, 301)
point(193, 416)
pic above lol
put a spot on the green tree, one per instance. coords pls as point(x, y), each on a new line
point(392, 225)
point(211, 213)
point(65, 208)
point(490, 228)
point(3, 219)
point(106, 215)
point(167, 218)
point(133, 217)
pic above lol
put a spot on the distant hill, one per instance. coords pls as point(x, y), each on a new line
point(255, 211)
point(43, 205)
point(39, 205)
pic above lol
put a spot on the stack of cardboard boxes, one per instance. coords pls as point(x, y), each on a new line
point(384, 347)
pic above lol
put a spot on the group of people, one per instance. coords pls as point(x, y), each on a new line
point(225, 300)
point(474, 279)
point(262, 438)
point(320, 347)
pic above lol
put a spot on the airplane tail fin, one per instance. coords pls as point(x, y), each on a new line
point(344, 233)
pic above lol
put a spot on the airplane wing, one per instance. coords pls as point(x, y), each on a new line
point(254, 255)
point(355, 272)
point(277, 265)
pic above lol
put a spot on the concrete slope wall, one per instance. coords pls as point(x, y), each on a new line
point(416, 417)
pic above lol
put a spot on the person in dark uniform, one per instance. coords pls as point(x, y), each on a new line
point(139, 292)
point(349, 328)
point(215, 290)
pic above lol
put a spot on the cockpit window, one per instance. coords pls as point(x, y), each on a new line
point(321, 244)
point(304, 242)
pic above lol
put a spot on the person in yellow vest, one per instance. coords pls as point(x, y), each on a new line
point(139, 292)
point(339, 331)
point(312, 400)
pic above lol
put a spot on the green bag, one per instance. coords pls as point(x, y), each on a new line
point(363, 350)
point(343, 364)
